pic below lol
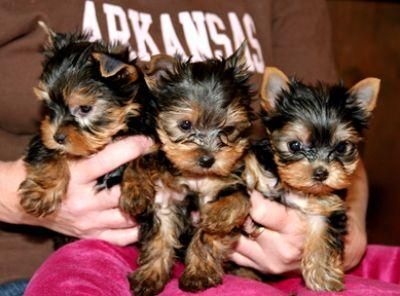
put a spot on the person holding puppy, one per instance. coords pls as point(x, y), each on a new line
point(191, 28)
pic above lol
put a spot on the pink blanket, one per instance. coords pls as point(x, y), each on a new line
point(90, 267)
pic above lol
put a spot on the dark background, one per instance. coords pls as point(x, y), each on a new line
point(366, 41)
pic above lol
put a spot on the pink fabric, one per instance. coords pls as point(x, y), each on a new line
point(90, 267)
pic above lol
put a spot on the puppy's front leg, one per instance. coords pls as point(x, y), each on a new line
point(159, 240)
point(138, 187)
point(322, 262)
point(46, 182)
point(228, 211)
point(214, 240)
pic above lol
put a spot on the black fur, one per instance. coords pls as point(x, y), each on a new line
point(214, 81)
point(38, 153)
point(263, 151)
point(337, 222)
point(229, 190)
point(321, 107)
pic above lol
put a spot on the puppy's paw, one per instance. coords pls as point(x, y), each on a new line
point(200, 277)
point(324, 279)
point(198, 281)
point(147, 282)
point(135, 200)
point(38, 199)
point(216, 218)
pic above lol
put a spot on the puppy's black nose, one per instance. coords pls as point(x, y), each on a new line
point(206, 161)
point(60, 138)
point(320, 174)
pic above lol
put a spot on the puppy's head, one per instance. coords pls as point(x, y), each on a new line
point(88, 89)
point(204, 111)
point(315, 130)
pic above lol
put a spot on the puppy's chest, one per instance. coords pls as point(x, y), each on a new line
point(312, 204)
point(206, 188)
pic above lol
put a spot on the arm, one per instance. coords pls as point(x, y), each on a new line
point(356, 201)
point(83, 213)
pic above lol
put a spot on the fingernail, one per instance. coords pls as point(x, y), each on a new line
point(144, 142)
point(147, 142)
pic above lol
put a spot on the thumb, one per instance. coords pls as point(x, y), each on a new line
point(111, 157)
point(270, 214)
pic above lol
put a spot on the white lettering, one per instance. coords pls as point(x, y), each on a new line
point(250, 29)
point(215, 23)
point(171, 42)
point(115, 33)
point(238, 37)
point(196, 34)
point(90, 23)
point(141, 31)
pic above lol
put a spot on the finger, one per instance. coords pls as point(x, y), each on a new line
point(114, 219)
point(249, 248)
point(111, 157)
point(120, 237)
point(107, 198)
point(265, 260)
point(271, 214)
point(243, 260)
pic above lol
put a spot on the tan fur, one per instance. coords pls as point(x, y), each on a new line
point(185, 156)
point(138, 187)
point(224, 215)
point(274, 80)
point(322, 265)
point(44, 187)
point(258, 178)
point(79, 98)
point(367, 92)
point(41, 92)
point(82, 143)
point(158, 256)
point(204, 259)
point(298, 176)
point(292, 131)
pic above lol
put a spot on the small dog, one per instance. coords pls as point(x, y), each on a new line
point(92, 93)
point(311, 151)
point(204, 115)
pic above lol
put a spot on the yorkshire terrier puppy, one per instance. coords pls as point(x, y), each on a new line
point(204, 115)
point(309, 156)
point(92, 92)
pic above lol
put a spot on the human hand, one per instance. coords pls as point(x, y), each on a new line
point(355, 240)
point(85, 213)
point(279, 247)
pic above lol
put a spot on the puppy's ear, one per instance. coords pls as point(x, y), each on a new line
point(110, 66)
point(51, 35)
point(366, 92)
point(238, 58)
point(274, 81)
point(41, 92)
point(159, 66)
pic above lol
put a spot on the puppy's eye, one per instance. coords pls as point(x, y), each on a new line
point(294, 146)
point(185, 125)
point(342, 147)
point(85, 109)
point(228, 130)
point(121, 76)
